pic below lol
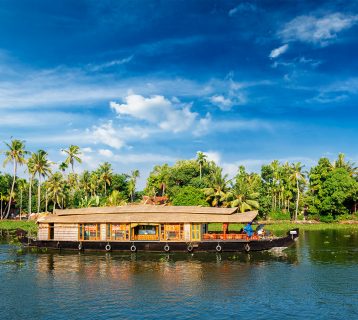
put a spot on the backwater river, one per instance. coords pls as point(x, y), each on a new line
point(317, 278)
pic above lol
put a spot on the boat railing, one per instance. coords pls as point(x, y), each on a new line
point(229, 236)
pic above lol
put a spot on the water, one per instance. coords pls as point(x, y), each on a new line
point(317, 278)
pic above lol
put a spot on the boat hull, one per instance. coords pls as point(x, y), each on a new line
point(160, 246)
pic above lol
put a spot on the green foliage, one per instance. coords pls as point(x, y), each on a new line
point(279, 215)
point(189, 196)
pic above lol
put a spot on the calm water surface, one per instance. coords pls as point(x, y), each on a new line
point(317, 278)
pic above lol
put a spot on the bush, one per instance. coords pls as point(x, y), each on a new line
point(327, 219)
point(189, 196)
point(279, 215)
point(344, 217)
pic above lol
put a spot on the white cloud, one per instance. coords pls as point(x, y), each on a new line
point(106, 153)
point(213, 156)
point(203, 125)
point(316, 30)
point(100, 67)
point(242, 7)
point(107, 135)
point(157, 110)
point(222, 102)
point(278, 51)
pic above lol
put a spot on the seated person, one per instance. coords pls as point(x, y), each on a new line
point(248, 229)
point(260, 230)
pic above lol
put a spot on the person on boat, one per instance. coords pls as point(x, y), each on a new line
point(260, 230)
point(248, 229)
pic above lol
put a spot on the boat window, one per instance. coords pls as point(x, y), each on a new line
point(117, 231)
point(145, 232)
point(151, 230)
point(172, 232)
point(89, 231)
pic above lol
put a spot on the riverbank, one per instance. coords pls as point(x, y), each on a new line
point(12, 225)
point(287, 225)
point(31, 226)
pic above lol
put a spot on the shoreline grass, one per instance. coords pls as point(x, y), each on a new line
point(12, 225)
point(281, 226)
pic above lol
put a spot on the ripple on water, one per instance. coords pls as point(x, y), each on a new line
point(311, 280)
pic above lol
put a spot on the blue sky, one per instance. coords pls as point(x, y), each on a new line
point(139, 83)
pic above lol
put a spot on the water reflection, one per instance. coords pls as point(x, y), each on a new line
point(332, 246)
point(314, 278)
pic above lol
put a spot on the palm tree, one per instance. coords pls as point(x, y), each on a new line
point(132, 183)
point(105, 171)
point(73, 153)
point(297, 177)
point(85, 182)
point(63, 166)
point(115, 199)
point(342, 163)
point(16, 154)
point(31, 171)
point(41, 167)
point(201, 160)
point(21, 185)
point(56, 185)
point(94, 183)
point(217, 192)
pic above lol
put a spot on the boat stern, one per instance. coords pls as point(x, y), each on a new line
point(293, 233)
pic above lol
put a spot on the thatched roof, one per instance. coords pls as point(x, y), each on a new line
point(145, 209)
point(149, 213)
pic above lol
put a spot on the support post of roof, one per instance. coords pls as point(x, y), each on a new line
point(225, 229)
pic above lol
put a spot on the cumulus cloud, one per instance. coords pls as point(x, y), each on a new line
point(165, 114)
point(278, 51)
point(107, 135)
point(222, 102)
point(317, 30)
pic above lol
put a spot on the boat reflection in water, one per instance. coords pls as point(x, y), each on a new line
point(165, 267)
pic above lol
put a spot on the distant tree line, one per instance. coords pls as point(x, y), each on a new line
point(327, 192)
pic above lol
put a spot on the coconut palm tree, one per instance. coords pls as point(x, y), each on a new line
point(106, 172)
point(63, 166)
point(41, 167)
point(85, 182)
point(21, 186)
point(115, 199)
point(132, 183)
point(94, 183)
point(73, 153)
point(16, 153)
point(31, 172)
point(297, 177)
point(56, 185)
point(349, 166)
point(217, 192)
point(201, 160)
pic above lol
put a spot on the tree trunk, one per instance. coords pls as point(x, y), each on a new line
point(20, 202)
point(12, 190)
point(46, 200)
point(200, 170)
point(297, 200)
point(105, 189)
point(54, 207)
point(39, 195)
point(30, 200)
point(1, 208)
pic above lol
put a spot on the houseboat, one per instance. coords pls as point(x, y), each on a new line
point(157, 228)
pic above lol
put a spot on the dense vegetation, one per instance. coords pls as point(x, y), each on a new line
point(327, 192)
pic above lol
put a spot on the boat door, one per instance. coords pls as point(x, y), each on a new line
point(51, 231)
point(196, 232)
